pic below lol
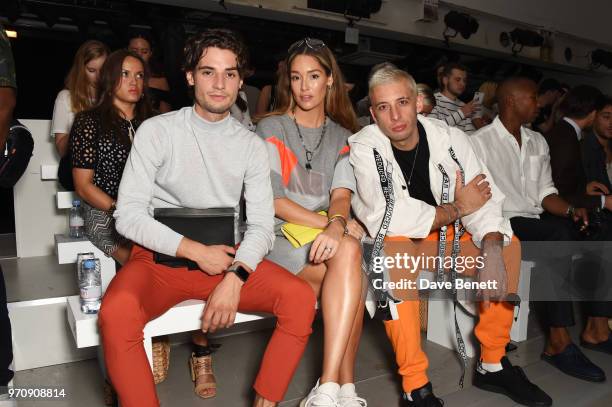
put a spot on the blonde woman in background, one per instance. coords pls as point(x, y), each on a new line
point(427, 97)
point(80, 93)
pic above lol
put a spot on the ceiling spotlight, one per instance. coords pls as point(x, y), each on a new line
point(525, 38)
point(600, 57)
point(459, 23)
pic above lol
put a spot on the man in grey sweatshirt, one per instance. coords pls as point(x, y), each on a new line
point(200, 157)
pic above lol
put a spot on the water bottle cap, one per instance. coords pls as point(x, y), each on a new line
point(76, 202)
point(90, 264)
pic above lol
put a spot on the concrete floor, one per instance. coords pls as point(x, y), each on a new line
point(237, 361)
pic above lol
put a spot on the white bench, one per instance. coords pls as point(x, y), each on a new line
point(40, 215)
point(183, 317)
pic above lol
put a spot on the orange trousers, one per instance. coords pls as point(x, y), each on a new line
point(492, 331)
point(143, 290)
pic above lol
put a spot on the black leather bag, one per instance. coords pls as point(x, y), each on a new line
point(15, 157)
point(64, 172)
point(215, 226)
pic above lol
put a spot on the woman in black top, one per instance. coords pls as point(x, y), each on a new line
point(100, 141)
point(158, 89)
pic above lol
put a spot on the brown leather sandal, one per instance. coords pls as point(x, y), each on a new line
point(161, 358)
point(202, 375)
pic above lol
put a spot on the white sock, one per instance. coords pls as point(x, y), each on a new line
point(408, 396)
point(491, 367)
point(330, 388)
point(347, 389)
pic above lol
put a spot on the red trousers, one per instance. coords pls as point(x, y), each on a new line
point(143, 290)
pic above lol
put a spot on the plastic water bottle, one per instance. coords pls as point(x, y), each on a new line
point(90, 286)
point(76, 221)
point(81, 257)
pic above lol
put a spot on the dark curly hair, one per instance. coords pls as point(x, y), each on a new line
point(219, 38)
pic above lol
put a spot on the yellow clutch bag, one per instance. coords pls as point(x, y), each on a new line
point(299, 235)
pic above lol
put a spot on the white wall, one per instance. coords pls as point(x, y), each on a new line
point(37, 218)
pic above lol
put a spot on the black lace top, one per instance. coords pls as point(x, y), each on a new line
point(103, 153)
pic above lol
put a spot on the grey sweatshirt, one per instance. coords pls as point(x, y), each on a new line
point(179, 160)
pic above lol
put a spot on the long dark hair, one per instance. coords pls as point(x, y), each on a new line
point(337, 102)
point(110, 78)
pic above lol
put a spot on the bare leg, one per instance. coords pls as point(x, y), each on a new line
point(261, 402)
point(347, 367)
point(558, 340)
point(596, 330)
point(314, 275)
point(340, 294)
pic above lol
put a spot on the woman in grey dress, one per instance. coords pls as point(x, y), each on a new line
point(307, 144)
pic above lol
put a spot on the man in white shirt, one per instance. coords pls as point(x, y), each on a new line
point(519, 161)
point(448, 106)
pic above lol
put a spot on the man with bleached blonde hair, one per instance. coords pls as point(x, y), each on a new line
point(411, 195)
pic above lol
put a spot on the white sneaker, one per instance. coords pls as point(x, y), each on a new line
point(324, 395)
point(347, 397)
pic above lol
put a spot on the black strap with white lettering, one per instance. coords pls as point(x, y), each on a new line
point(459, 230)
point(386, 183)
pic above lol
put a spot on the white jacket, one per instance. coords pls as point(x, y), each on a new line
point(411, 217)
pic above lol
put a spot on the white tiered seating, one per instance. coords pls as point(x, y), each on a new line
point(183, 317)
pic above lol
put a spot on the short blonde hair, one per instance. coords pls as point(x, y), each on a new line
point(390, 73)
